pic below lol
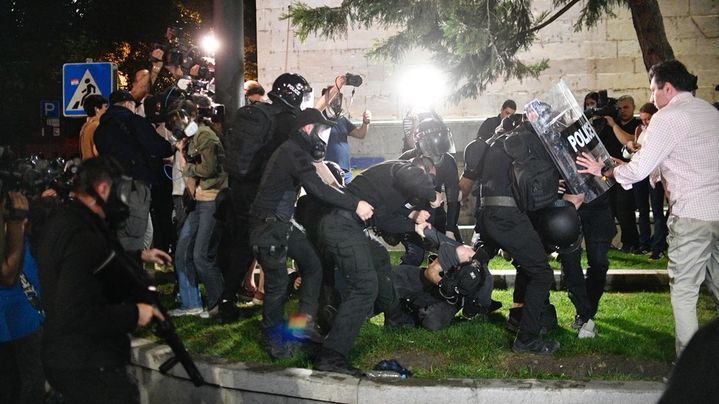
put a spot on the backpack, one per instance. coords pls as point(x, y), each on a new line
point(245, 144)
point(535, 179)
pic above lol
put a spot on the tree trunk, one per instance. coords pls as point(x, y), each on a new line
point(649, 25)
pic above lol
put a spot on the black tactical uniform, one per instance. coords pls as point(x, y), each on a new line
point(447, 179)
point(242, 192)
point(362, 260)
point(502, 224)
point(273, 236)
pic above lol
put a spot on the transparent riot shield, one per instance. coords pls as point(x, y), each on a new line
point(565, 132)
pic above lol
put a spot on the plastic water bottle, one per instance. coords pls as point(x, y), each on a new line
point(385, 374)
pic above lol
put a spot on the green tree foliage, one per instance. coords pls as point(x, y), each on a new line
point(476, 40)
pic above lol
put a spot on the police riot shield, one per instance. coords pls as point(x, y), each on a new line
point(565, 132)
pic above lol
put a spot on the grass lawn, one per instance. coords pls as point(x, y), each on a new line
point(635, 341)
point(617, 260)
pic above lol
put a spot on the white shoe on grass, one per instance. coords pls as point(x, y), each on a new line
point(588, 330)
point(185, 312)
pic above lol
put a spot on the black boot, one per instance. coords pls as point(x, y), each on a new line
point(274, 344)
point(515, 317)
point(228, 312)
point(536, 346)
point(329, 360)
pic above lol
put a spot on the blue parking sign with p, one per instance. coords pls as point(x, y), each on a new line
point(80, 80)
point(50, 109)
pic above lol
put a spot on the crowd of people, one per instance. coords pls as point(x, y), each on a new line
point(275, 184)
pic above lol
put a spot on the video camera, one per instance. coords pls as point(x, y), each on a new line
point(200, 67)
point(354, 80)
point(32, 175)
point(606, 106)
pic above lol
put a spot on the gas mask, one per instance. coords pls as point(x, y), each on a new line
point(116, 207)
point(181, 125)
point(319, 137)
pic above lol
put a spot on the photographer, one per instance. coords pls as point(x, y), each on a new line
point(12, 225)
point(338, 149)
point(85, 342)
point(614, 135)
point(201, 163)
point(134, 143)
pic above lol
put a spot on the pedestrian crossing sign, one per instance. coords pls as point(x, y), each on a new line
point(80, 80)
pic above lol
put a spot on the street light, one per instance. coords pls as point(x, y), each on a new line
point(210, 44)
point(422, 86)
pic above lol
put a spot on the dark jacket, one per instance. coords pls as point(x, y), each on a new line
point(447, 180)
point(84, 326)
point(289, 168)
point(388, 187)
point(133, 142)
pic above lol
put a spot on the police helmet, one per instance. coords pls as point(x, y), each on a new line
point(470, 277)
point(434, 139)
point(414, 117)
point(290, 88)
point(559, 227)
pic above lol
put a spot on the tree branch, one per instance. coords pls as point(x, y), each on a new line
point(554, 17)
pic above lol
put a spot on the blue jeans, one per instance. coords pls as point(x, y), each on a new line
point(195, 257)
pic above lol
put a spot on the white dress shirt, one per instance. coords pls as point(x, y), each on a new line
point(682, 139)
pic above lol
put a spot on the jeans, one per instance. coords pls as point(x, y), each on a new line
point(196, 256)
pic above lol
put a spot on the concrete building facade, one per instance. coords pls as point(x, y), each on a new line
point(604, 57)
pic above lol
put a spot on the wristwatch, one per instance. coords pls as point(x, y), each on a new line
point(604, 172)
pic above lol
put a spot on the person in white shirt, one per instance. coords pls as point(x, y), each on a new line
point(682, 139)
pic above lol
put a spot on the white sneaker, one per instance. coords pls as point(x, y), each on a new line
point(185, 312)
point(588, 330)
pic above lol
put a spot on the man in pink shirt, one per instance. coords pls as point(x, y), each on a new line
point(682, 140)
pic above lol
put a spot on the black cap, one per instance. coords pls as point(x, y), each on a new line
point(311, 115)
point(120, 96)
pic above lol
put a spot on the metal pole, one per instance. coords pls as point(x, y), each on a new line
point(229, 60)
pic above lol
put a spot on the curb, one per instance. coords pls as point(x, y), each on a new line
point(624, 280)
point(237, 382)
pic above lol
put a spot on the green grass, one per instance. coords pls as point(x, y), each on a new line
point(617, 260)
point(635, 342)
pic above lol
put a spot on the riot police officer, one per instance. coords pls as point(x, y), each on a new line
point(434, 140)
point(503, 224)
point(288, 92)
point(361, 259)
point(272, 235)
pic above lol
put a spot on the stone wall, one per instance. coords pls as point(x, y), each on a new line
point(606, 56)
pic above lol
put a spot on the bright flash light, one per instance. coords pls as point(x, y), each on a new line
point(210, 44)
point(422, 86)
